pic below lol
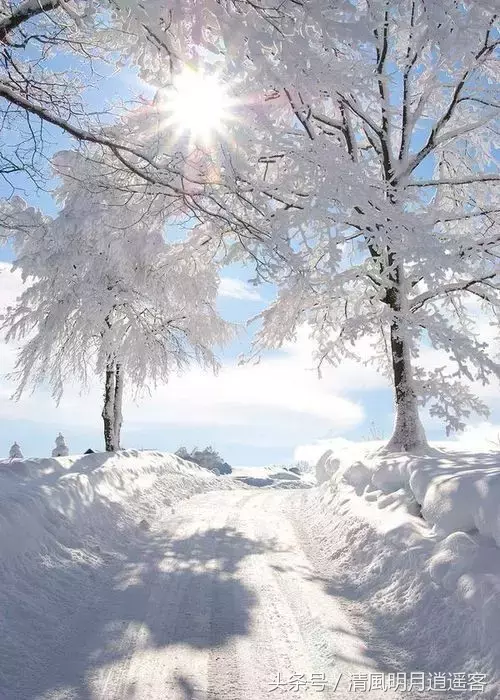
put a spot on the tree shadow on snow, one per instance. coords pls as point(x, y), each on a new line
point(405, 622)
point(162, 591)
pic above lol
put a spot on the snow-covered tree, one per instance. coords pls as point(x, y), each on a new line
point(106, 293)
point(182, 453)
point(15, 452)
point(61, 449)
point(359, 177)
point(365, 177)
point(57, 55)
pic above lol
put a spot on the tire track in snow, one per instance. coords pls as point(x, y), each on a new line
point(216, 601)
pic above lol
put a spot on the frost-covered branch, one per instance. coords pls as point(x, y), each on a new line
point(455, 182)
point(463, 285)
point(22, 13)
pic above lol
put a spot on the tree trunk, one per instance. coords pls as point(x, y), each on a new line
point(408, 432)
point(108, 415)
point(117, 406)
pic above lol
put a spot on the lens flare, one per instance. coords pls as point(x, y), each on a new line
point(197, 105)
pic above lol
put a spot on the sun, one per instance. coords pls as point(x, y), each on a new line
point(198, 105)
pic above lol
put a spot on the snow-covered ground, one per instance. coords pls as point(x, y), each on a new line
point(415, 538)
point(83, 495)
point(62, 522)
point(140, 576)
point(273, 477)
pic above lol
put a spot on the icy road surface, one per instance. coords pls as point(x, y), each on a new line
point(211, 603)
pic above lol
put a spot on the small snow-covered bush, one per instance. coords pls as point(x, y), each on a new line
point(61, 449)
point(207, 458)
point(15, 452)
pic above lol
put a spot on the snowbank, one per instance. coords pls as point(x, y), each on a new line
point(453, 491)
point(46, 503)
point(422, 533)
point(268, 477)
point(69, 527)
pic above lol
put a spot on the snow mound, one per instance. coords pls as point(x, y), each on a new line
point(469, 567)
point(68, 525)
point(412, 527)
point(454, 491)
point(48, 503)
point(459, 491)
point(268, 477)
point(335, 461)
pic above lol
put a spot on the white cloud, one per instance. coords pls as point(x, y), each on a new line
point(240, 394)
point(313, 451)
point(478, 437)
point(233, 288)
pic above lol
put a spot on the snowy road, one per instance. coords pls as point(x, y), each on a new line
point(212, 603)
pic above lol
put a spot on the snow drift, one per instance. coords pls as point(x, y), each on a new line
point(67, 525)
point(271, 478)
point(43, 501)
point(417, 538)
point(453, 491)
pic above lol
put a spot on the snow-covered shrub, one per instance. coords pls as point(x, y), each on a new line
point(15, 452)
point(207, 458)
point(61, 449)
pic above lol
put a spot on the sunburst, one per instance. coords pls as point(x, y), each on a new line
point(197, 106)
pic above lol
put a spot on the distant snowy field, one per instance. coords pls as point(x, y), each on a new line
point(273, 477)
point(415, 539)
